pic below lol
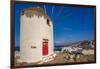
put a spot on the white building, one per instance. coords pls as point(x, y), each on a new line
point(67, 49)
point(36, 35)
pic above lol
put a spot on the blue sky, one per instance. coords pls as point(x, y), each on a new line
point(70, 23)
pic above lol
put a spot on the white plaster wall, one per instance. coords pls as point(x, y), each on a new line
point(51, 51)
point(32, 32)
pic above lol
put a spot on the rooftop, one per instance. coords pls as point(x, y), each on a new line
point(29, 12)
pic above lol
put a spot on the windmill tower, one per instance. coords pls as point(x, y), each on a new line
point(36, 35)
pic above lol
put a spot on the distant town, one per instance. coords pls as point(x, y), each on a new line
point(80, 44)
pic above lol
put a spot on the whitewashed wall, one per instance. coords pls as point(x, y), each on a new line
point(33, 31)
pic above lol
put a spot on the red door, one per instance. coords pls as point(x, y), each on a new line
point(45, 48)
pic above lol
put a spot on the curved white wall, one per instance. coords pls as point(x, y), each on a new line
point(32, 32)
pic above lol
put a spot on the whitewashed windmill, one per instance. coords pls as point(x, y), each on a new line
point(36, 35)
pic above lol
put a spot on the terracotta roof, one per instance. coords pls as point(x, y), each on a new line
point(29, 12)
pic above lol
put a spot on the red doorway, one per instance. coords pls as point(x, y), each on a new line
point(45, 48)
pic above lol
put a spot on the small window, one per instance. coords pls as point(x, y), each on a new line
point(33, 46)
point(45, 40)
point(48, 22)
